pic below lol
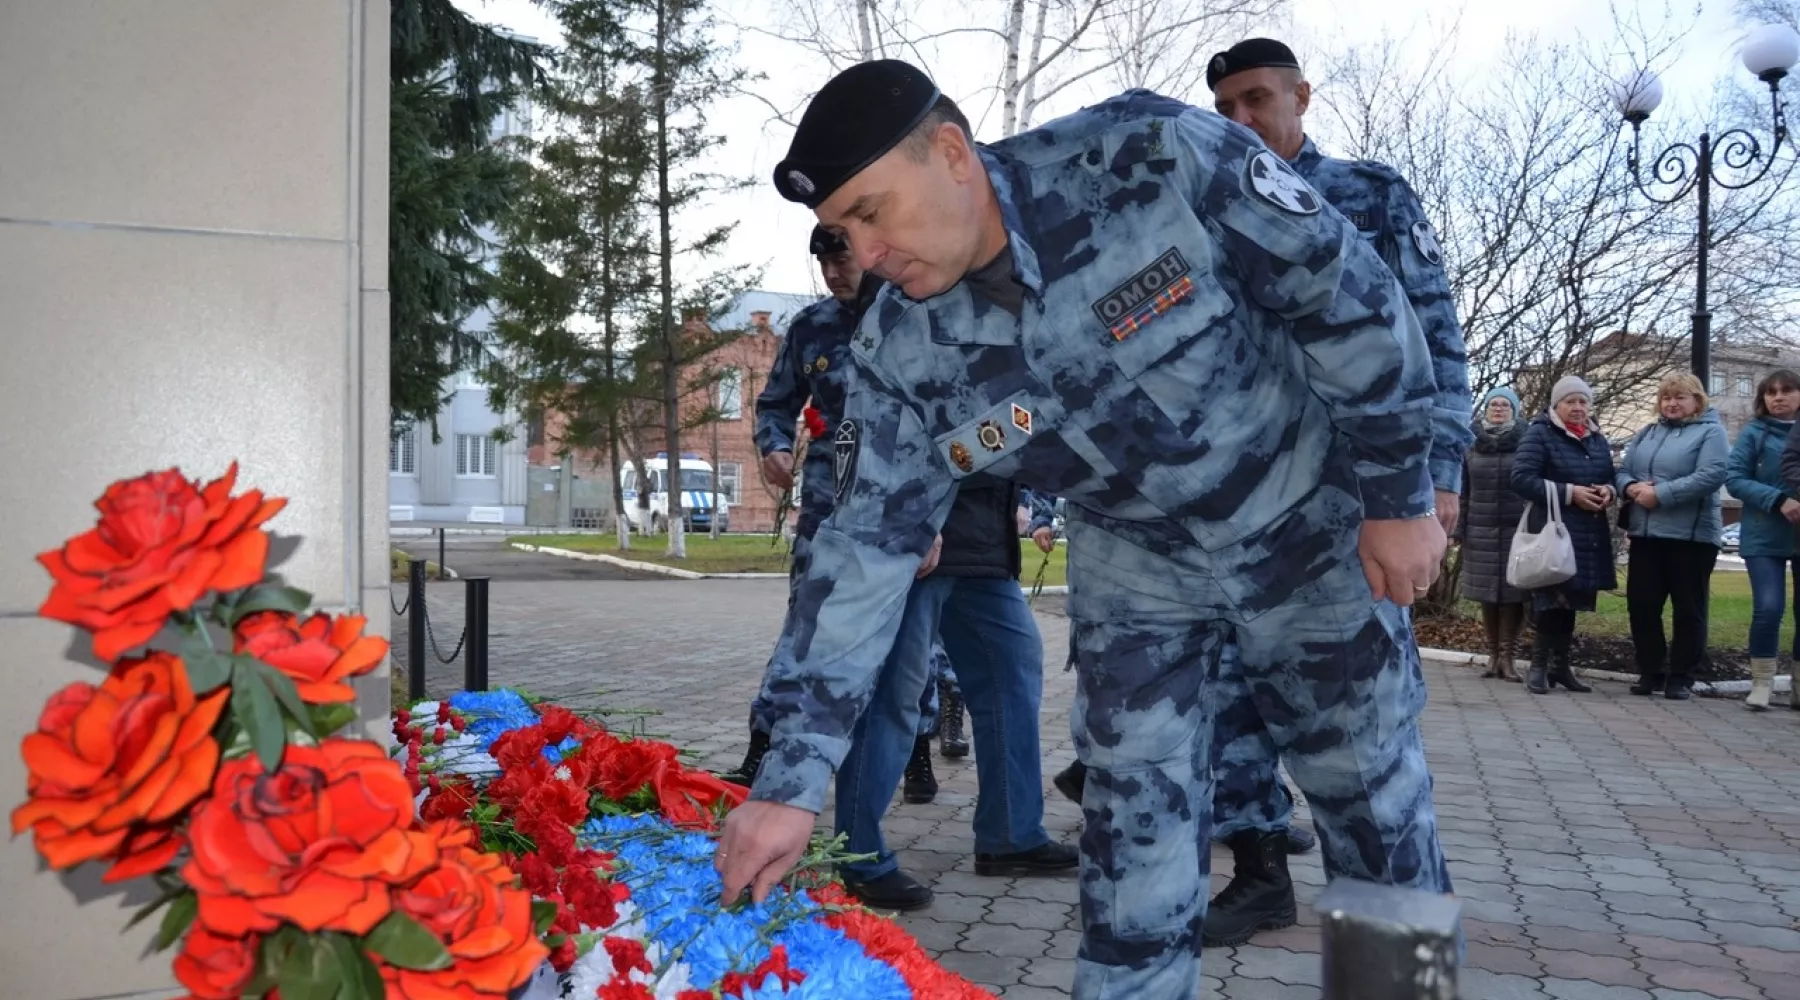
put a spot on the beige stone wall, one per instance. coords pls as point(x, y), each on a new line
point(193, 268)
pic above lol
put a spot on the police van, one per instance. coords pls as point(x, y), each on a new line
point(696, 486)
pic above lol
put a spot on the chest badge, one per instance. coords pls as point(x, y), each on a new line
point(1276, 183)
point(821, 364)
point(991, 436)
point(1148, 294)
point(806, 369)
point(846, 443)
point(960, 457)
point(1426, 240)
point(1021, 418)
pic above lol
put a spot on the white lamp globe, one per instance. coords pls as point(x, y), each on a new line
point(1771, 50)
point(1637, 93)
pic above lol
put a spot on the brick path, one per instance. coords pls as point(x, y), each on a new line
point(1605, 847)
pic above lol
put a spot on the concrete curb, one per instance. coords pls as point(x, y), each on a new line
point(601, 557)
point(1456, 657)
point(682, 574)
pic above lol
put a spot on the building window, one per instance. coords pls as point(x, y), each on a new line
point(403, 453)
point(730, 473)
point(731, 394)
point(1716, 384)
point(1743, 385)
point(475, 456)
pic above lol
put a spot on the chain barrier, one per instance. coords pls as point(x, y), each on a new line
point(435, 651)
point(399, 609)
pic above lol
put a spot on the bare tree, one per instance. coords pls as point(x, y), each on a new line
point(1551, 249)
point(1043, 51)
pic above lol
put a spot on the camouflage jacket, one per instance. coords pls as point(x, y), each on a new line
point(813, 362)
point(1384, 209)
point(1202, 337)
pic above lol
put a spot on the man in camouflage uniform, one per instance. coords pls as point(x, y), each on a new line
point(1258, 83)
point(1140, 309)
point(813, 363)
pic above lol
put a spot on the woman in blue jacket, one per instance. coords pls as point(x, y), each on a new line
point(1564, 451)
point(1766, 531)
point(1669, 482)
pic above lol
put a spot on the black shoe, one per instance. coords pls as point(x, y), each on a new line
point(950, 720)
point(1647, 686)
point(894, 891)
point(1260, 896)
point(921, 785)
point(1538, 680)
point(1048, 859)
point(1678, 692)
point(1300, 840)
point(746, 772)
point(1071, 781)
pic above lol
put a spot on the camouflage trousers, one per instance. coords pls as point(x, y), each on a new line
point(1333, 674)
point(1248, 793)
point(941, 671)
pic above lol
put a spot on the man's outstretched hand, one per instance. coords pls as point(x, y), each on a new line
point(1401, 557)
point(762, 842)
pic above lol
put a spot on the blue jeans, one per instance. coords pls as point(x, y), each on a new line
point(1768, 601)
point(987, 629)
point(883, 738)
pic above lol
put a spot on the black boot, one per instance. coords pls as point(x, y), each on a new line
point(1538, 680)
point(746, 772)
point(1071, 781)
point(921, 784)
point(1561, 670)
point(950, 720)
point(1260, 896)
point(894, 891)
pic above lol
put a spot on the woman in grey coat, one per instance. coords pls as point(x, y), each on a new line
point(1669, 483)
point(1490, 514)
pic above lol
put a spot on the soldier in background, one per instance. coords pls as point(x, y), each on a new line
point(1258, 83)
point(1142, 310)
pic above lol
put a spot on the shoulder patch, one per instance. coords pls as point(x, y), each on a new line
point(844, 448)
point(1426, 240)
point(1271, 179)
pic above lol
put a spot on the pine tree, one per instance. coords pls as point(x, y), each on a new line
point(451, 77)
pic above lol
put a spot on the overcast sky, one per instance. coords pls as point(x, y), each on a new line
point(771, 233)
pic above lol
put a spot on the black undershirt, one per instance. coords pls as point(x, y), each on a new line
point(994, 282)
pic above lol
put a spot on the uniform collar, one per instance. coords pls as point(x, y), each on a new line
point(1309, 154)
point(1003, 173)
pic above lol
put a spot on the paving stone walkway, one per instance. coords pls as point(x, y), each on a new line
point(1605, 847)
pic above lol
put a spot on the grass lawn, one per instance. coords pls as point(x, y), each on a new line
point(1728, 624)
point(744, 553)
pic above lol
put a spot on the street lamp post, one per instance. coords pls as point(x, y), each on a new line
point(1769, 53)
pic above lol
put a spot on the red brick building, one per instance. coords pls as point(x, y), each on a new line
point(741, 369)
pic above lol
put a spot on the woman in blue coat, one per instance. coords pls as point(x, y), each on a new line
point(1669, 483)
point(1564, 450)
point(1766, 531)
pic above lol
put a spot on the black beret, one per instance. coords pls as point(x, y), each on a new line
point(1251, 53)
point(861, 114)
point(824, 242)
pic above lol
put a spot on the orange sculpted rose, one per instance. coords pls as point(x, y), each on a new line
point(317, 844)
point(214, 967)
point(161, 545)
point(468, 902)
point(112, 768)
point(318, 653)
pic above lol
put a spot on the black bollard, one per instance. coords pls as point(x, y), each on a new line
point(1382, 942)
point(416, 627)
point(443, 567)
point(475, 624)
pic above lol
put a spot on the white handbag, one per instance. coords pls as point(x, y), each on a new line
point(1544, 559)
